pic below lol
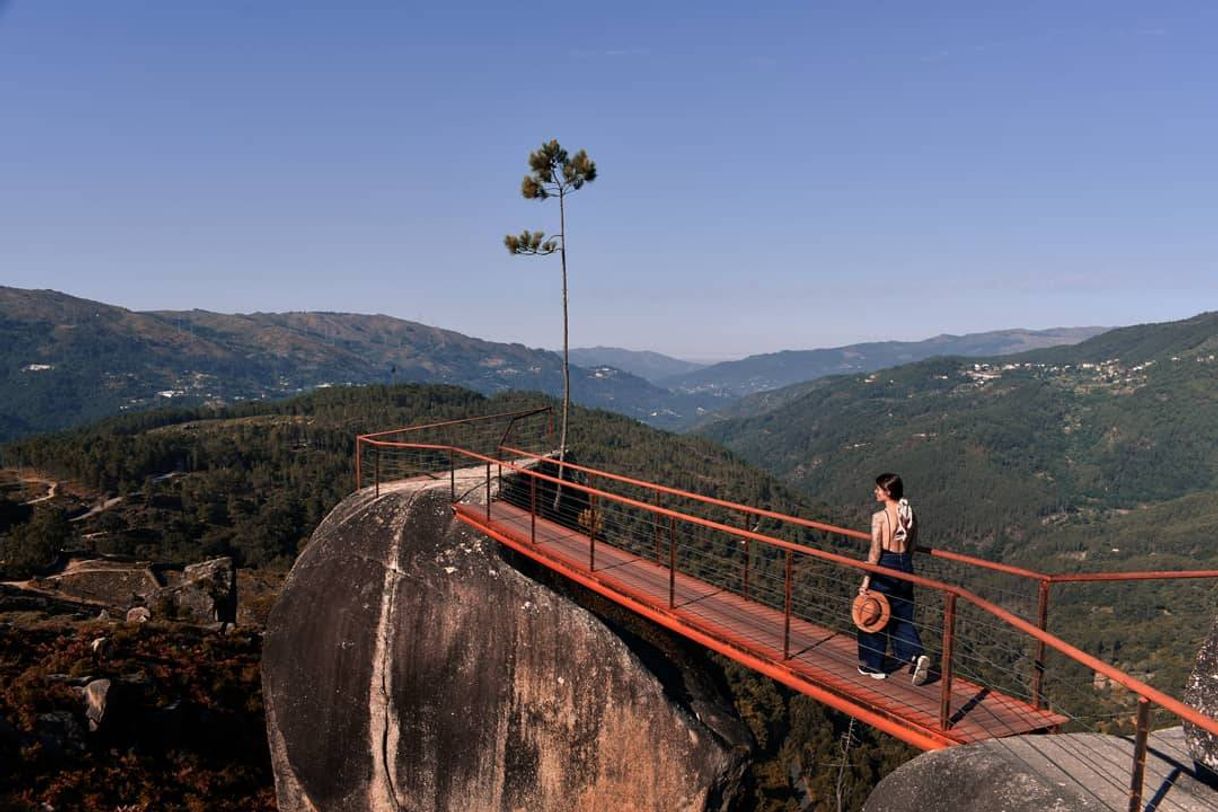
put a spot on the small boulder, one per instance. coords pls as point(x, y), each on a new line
point(101, 647)
point(96, 693)
point(138, 614)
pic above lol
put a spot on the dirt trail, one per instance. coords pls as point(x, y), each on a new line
point(96, 509)
point(51, 493)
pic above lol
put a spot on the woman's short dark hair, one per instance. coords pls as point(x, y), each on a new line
point(892, 485)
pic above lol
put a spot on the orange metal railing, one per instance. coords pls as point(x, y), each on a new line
point(425, 449)
point(593, 504)
point(1043, 581)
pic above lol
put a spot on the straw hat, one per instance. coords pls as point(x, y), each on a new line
point(871, 611)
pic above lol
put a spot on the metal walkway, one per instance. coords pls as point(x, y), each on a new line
point(752, 633)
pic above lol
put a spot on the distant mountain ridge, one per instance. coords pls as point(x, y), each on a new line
point(651, 366)
point(66, 360)
point(769, 371)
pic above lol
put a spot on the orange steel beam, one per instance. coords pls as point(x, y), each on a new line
point(917, 737)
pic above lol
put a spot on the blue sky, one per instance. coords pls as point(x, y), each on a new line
point(772, 175)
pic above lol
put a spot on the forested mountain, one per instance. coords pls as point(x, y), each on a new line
point(759, 373)
point(993, 448)
point(651, 366)
point(64, 361)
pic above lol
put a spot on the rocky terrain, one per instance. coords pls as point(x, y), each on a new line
point(200, 593)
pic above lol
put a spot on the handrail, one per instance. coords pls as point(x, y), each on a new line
point(710, 500)
point(480, 418)
point(376, 442)
point(1150, 575)
point(948, 555)
point(1134, 685)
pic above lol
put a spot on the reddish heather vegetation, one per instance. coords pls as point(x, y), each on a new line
point(182, 726)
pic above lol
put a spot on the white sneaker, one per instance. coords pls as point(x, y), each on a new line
point(868, 672)
point(921, 670)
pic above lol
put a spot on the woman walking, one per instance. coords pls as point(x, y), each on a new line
point(894, 533)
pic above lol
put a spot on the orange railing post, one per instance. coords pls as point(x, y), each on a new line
point(672, 562)
point(1139, 755)
point(452, 476)
point(592, 533)
point(359, 479)
point(377, 474)
point(1042, 622)
point(658, 531)
point(533, 509)
point(745, 519)
point(945, 676)
point(786, 632)
point(747, 558)
point(488, 491)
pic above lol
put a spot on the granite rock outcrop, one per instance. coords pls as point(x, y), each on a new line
point(412, 663)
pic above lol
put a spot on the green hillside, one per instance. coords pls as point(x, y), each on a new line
point(992, 447)
point(769, 371)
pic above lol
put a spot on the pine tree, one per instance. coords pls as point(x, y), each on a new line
point(554, 174)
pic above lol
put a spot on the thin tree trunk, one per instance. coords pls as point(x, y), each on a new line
point(566, 352)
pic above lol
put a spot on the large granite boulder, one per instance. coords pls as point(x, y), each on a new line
point(410, 664)
point(1202, 693)
point(1075, 772)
